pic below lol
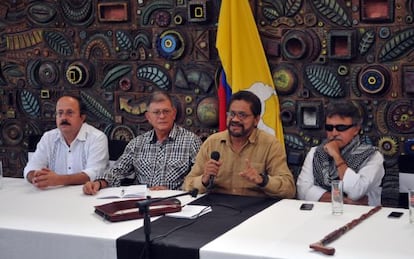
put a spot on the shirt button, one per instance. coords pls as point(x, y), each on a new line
point(70, 167)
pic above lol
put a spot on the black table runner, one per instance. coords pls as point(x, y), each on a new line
point(182, 238)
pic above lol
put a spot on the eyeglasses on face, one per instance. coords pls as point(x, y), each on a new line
point(68, 113)
point(240, 115)
point(165, 112)
point(339, 127)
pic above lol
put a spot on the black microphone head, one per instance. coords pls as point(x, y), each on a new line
point(215, 155)
point(194, 192)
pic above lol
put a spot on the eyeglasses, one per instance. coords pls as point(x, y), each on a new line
point(158, 113)
point(68, 113)
point(240, 115)
point(339, 127)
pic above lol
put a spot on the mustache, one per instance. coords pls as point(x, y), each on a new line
point(65, 122)
point(232, 123)
point(334, 138)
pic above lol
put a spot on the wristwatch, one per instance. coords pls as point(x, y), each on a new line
point(265, 178)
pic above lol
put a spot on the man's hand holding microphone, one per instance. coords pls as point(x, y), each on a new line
point(211, 169)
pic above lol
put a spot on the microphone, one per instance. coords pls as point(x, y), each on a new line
point(216, 156)
point(143, 208)
point(193, 192)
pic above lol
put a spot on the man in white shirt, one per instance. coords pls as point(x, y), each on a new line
point(73, 153)
point(342, 156)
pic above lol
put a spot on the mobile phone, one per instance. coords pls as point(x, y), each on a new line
point(306, 206)
point(395, 214)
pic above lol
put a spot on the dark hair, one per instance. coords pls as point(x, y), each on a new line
point(159, 96)
point(344, 110)
point(255, 104)
point(82, 105)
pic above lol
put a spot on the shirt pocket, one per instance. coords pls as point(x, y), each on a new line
point(179, 167)
point(145, 167)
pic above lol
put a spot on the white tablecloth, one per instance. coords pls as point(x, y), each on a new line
point(58, 223)
point(284, 231)
point(61, 223)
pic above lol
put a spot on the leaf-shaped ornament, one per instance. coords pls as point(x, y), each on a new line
point(324, 81)
point(333, 12)
point(397, 46)
point(96, 108)
point(30, 104)
point(115, 74)
point(58, 42)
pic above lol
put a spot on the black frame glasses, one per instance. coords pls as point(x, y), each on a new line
point(339, 127)
point(240, 115)
point(164, 112)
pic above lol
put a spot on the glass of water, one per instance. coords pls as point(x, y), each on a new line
point(337, 197)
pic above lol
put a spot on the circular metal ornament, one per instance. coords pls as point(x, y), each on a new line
point(12, 133)
point(388, 145)
point(178, 19)
point(400, 117)
point(207, 111)
point(125, 84)
point(294, 45)
point(374, 80)
point(384, 32)
point(287, 117)
point(122, 132)
point(285, 80)
point(163, 18)
point(48, 73)
point(170, 45)
point(299, 45)
point(79, 74)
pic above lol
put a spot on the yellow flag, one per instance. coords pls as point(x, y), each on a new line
point(244, 61)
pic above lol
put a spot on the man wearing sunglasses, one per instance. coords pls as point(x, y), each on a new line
point(342, 156)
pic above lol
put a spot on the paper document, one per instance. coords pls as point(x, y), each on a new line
point(190, 212)
point(132, 191)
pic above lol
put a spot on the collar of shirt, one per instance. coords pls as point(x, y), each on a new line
point(152, 138)
point(81, 134)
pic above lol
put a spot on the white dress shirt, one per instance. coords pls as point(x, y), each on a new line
point(356, 184)
point(88, 153)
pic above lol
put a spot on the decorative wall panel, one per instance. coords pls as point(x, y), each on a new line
point(114, 53)
point(110, 53)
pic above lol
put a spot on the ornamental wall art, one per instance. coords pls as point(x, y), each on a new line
point(113, 54)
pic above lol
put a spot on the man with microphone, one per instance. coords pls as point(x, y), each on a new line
point(242, 160)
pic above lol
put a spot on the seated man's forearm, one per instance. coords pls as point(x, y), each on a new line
point(73, 179)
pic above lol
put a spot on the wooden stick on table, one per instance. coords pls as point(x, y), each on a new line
point(321, 245)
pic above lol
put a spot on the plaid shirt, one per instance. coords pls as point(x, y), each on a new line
point(154, 163)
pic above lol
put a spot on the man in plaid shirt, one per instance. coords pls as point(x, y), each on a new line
point(159, 158)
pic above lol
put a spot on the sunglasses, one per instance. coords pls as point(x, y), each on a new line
point(339, 127)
